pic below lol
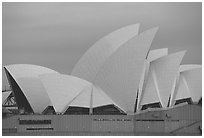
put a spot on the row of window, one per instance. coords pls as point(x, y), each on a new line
point(126, 119)
point(40, 128)
point(149, 120)
point(111, 119)
point(34, 122)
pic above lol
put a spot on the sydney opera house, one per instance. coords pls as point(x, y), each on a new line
point(118, 87)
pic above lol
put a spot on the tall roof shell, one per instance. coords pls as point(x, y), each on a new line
point(90, 63)
point(27, 78)
point(152, 55)
point(120, 75)
point(163, 72)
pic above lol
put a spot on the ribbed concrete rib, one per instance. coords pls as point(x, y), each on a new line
point(90, 63)
point(120, 75)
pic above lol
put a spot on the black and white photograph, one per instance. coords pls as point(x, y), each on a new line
point(102, 68)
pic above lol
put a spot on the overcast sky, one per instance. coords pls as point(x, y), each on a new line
point(56, 35)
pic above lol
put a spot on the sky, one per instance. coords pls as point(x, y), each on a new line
point(56, 35)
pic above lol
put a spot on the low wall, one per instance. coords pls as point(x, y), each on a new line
point(181, 120)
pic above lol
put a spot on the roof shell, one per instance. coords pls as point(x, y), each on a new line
point(90, 63)
point(100, 98)
point(27, 78)
point(65, 91)
point(62, 89)
point(157, 53)
point(189, 67)
point(189, 83)
point(150, 94)
point(84, 98)
point(120, 75)
point(92, 97)
point(152, 55)
point(194, 81)
point(182, 91)
point(163, 72)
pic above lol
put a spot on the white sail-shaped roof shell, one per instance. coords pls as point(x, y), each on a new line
point(157, 53)
point(5, 95)
point(27, 78)
point(65, 91)
point(182, 91)
point(150, 91)
point(152, 55)
point(194, 81)
point(163, 72)
point(90, 63)
point(120, 75)
point(189, 67)
point(189, 83)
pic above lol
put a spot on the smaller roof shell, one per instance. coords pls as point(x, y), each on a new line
point(157, 53)
point(27, 78)
point(152, 55)
point(161, 79)
point(188, 67)
point(189, 83)
point(65, 91)
point(194, 81)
